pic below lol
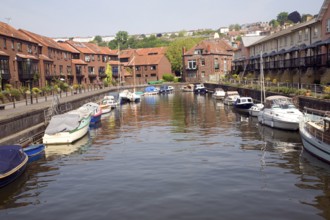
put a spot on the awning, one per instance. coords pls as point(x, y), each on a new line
point(78, 61)
point(27, 56)
point(44, 57)
point(3, 54)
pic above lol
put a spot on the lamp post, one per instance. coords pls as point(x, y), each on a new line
point(31, 92)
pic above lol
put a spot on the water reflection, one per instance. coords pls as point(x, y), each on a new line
point(175, 156)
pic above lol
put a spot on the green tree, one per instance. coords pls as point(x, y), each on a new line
point(120, 40)
point(274, 23)
point(97, 39)
point(234, 27)
point(108, 72)
point(282, 17)
point(174, 51)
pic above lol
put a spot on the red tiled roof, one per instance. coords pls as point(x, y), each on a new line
point(9, 31)
point(44, 41)
point(126, 53)
point(27, 56)
point(211, 47)
point(145, 60)
point(68, 47)
point(78, 61)
point(151, 51)
point(81, 47)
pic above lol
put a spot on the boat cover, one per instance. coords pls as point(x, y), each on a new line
point(64, 122)
point(150, 89)
point(10, 157)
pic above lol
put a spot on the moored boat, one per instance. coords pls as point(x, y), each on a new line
point(243, 104)
point(127, 96)
point(34, 150)
point(315, 134)
point(188, 88)
point(230, 97)
point(13, 162)
point(68, 127)
point(280, 112)
point(96, 111)
point(255, 109)
point(219, 94)
point(150, 90)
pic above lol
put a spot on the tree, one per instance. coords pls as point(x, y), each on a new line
point(282, 17)
point(97, 39)
point(295, 17)
point(274, 23)
point(234, 27)
point(305, 17)
point(174, 51)
point(120, 40)
point(108, 72)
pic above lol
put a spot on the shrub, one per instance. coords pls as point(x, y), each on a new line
point(168, 77)
point(15, 93)
point(2, 97)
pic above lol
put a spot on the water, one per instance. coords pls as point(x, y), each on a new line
point(176, 156)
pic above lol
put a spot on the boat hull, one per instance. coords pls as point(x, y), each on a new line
point(34, 150)
point(68, 137)
point(314, 146)
point(276, 122)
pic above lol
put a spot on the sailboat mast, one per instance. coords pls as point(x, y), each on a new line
point(119, 64)
point(262, 79)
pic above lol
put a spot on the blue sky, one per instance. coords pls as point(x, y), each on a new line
point(72, 18)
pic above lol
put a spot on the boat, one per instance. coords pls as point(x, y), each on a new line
point(188, 88)
point(255, 109)
point(126, 96)
point(111, 100)
point(200, 88)
point(68, 127)
point(96, 111)
point(230, 97)
point(151, 90)
point(315, 133)
point(243, 104)
point(13, 162)
point(33, 151)
point(280, 112)
point(219, 94)
point(165, 89)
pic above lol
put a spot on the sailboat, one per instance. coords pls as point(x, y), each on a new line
point(256, 108)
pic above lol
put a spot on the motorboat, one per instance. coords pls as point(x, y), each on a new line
point(127, 96)
point(243, 104)
point(188, 88)
point(315, 134)
point(255, 109)
point(151, 90)
point(219, 94)
point(68, 127)
point(34, 150)
point(13, 162)
point(280, 112)
point(111, 100)
point(165, 89)
point(230, 97)
point(96, 111)
point(200, 88)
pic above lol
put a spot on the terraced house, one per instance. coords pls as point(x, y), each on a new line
point(296, 54)
point(19, 58)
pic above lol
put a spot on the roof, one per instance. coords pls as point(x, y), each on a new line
point(81, 47)
point(44, 57)
point(9, 31)
point(323, 9)
point(151, 51)
point(2, 53)
point(215, 46)
point(126, 53)
point(248, 41)
point(68, 47)
point(146, 60)
point(44, 41)
point(27, 56)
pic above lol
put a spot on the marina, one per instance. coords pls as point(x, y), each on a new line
point(173, 156)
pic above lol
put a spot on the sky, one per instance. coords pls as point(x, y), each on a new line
point(81, 18)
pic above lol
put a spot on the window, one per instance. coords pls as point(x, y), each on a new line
point(203, 62)
point(69, 70)
point(61, 69)
point(328, 26)
point(306, 34)
point(4, 66)
point(203, 74)
point(300, 36)
point(98, 57)
point(54, 69)
point(216, 64)
point(19, 47)
point(4, 43)
point(145, 68)
point(12, 45)
point(198, 51)
point(153, 67)
point(138, 75)
point(92, 57)
point(316, 32)
point(29, 50)
point(137, 68)
point(91, 70)
point(291, 39)
point(87, 58)
point(192, 64)
point(153, 75)
point(104, 58)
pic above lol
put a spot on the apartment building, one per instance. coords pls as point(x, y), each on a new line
point(54, 61)
point(299, 53)
point(209, 60)
point(19, 58)
point(143, 65)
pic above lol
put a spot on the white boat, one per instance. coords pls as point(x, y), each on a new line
point(279, 112)
point(315, 135)
point(243, 104)
point(219, 94)
point(255, 109)
point(96, 111)
point(188, 88)
point(230, 97)
point(68, 127)
point(151, 90)
point(127, 96)
point(111, 100)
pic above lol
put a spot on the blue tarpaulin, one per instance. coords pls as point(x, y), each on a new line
point(10, 157)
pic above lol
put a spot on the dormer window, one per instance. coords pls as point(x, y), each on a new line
point(198, 51)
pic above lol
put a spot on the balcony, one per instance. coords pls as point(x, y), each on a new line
point(102, 75)
point(92, 75)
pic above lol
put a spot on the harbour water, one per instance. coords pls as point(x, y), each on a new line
point(176, 156)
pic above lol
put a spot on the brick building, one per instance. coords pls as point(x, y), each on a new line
point(209, 60)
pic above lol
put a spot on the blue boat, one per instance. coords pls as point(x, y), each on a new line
point(34, 151)
point(243, 104)
point(13, 162)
